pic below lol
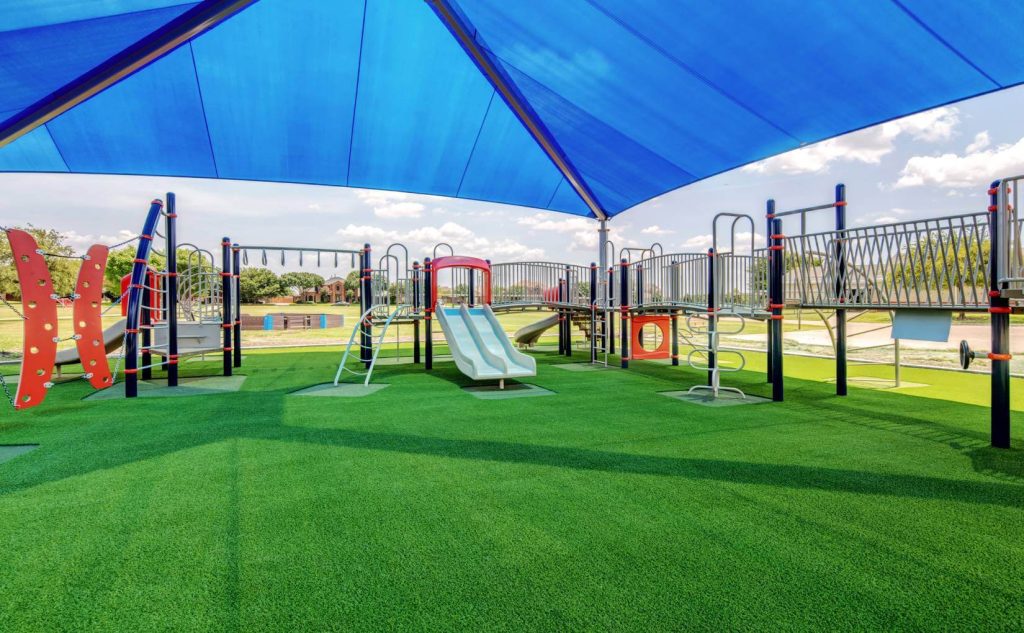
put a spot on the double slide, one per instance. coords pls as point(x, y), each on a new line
point(479, 345)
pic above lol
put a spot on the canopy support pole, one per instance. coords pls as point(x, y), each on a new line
point(464, 33)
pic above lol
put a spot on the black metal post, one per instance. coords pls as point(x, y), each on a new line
point(840, 289)
point(624, 303)
point(171, 230)
point(593, 313)
point(712, 318)
point(999, 315)
point(568, 311)
point(674, 329)
point(777, 250)
point(236, 269)
point(416, 284)
point(367, 292)
point(135, 289)
point(610, 313)
point(428, 311)
point(770, 216)
point(225, 279)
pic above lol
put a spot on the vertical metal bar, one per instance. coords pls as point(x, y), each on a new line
point(135, 290)
point(568, 312)
point(146, 323)
point(770, 216)
point(416, 285)
point(999, 313)
point(368, 291)
point(171, 299)
point(593, 313)
point(778, 272)
point(611, 312)
point(236, 267)
point(712, 317)
point(840, 288)
point(472, 287)
point(624, 310)
point(225, 282)
point(428, 311)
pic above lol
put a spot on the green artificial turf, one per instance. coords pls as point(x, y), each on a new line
point(603, 507)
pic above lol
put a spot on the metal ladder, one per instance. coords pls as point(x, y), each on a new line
point(375, 347)
point(712, 351)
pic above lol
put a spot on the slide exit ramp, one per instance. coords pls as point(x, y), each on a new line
point(479, 345)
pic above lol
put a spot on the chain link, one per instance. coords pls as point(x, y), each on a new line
point(7, 391)
point(11, 306)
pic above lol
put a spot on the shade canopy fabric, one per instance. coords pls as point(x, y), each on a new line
point(636, 98)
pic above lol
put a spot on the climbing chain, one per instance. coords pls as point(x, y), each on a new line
point(11, 306)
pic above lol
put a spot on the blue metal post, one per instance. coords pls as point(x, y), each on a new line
point(610, 313)
point(226, 283)
point(367, 293)
point(568, 311)
point(840, 289)
point(416, 285)
point(593, 313)
point(428, 311)
point(171, 230)
point(135, 290)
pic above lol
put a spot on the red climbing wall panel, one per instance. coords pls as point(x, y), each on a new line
point(40, 310)
point(663, 350)
point(88, 313)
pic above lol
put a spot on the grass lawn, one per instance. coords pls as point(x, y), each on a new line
point(605, 506)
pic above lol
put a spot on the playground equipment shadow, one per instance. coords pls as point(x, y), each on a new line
point(604, 506)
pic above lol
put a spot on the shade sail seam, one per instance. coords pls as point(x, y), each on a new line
point(99, 17)
point(913, 16)
point(691, 71)
point(590, 114)
point(355, 98)
point(202, 108)
point(551, 200)
point(483, 121)
point(517, 102)
point(57, 147)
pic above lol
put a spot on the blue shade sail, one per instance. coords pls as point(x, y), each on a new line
point(638, 97)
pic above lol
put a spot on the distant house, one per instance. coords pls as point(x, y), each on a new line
point(334, 289)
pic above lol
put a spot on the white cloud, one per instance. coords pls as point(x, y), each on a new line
point(654, 229)
point(421, 241)
point(981, 141)
point(399, 210)
point(392, 204)
point(864, 146)
point(81, 242)
point(698, 241)
point(974, 169)
point(705, 241)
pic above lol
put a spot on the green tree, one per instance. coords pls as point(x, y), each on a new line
point(303, 282)
point(256, 284)
point(352, 286)
point(63, 271)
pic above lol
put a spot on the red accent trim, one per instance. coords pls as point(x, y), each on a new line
point(776, 306)
point(39, 349)
point(993, 191)
point(138, 260)
point(131, 371)
point(227, 349)
point(171, 215)
point(994, 356)
point(992, 208)
point(226, 326)
point(994, 293)
point(778, 236)
point(999, 310)
point(777, 248)
point(158, 202)
point(224, 274)
point(172, 361)
point(769, 216)
point(776, 317)
point(88, 317)
point(840, 203)
point(461, 261)
point(145, 237)
point(131, 331)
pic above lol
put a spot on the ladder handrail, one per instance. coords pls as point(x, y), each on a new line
point(351, 339)
point(380, 340)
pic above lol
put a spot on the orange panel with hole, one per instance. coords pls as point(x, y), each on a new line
point(658, 332)
point(88, 314)
point(40, 310)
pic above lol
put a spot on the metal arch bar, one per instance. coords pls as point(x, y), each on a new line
point(298, 248)
point(820, 207)
point(464, 33)
point(150, 48)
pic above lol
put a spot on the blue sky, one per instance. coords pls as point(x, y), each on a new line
point(932, 164)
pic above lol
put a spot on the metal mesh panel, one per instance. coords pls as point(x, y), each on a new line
point(936, 263)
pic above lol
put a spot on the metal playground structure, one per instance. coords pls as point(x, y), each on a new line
point(644, 307)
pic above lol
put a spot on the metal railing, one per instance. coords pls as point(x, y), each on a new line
point(938, 263)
